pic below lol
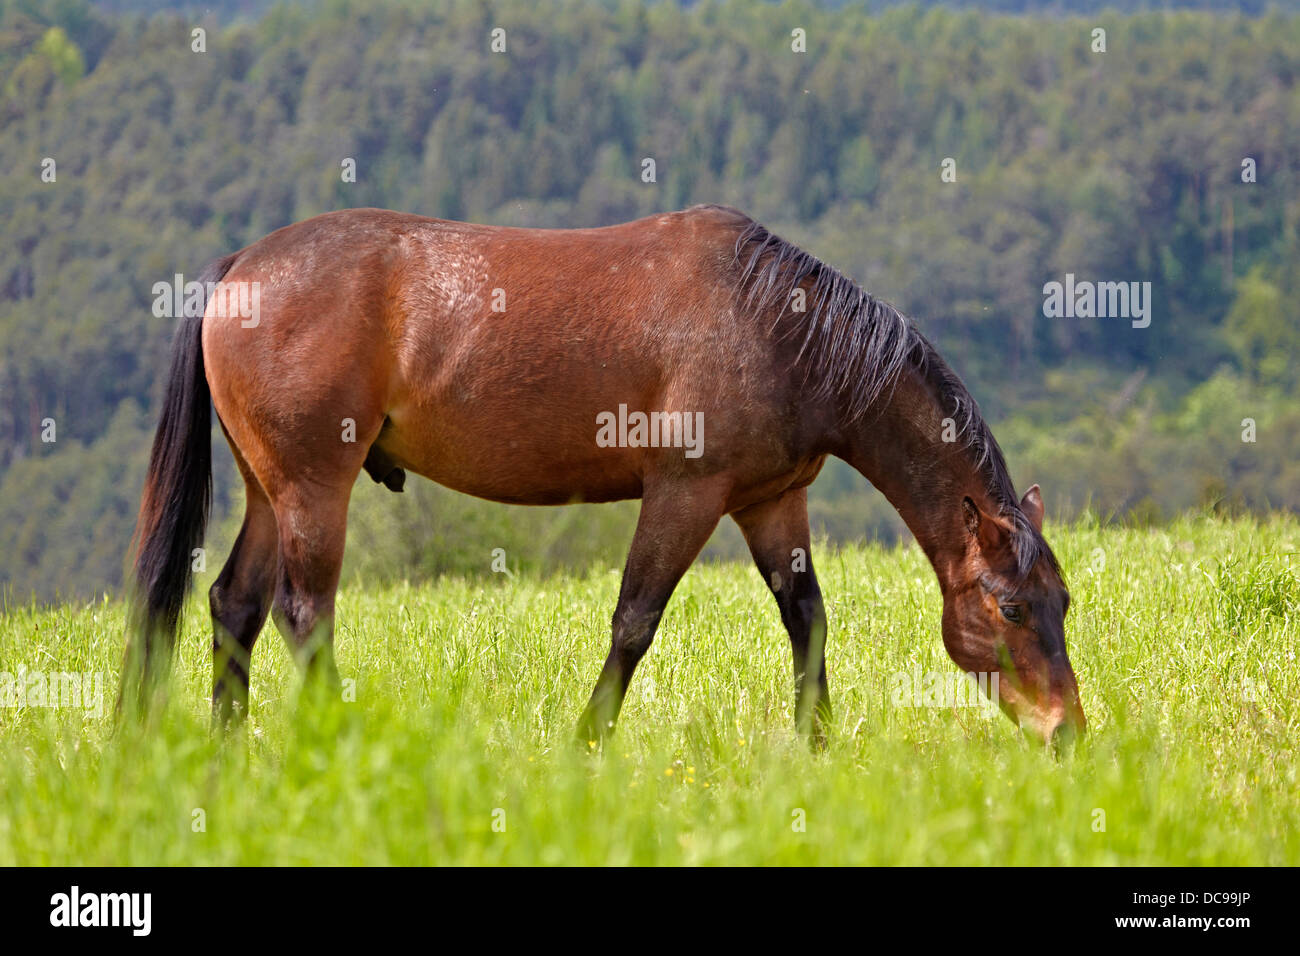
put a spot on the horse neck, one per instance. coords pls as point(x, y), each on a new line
point(901, 451)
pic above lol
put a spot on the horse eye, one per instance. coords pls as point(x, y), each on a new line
point(1012, 613)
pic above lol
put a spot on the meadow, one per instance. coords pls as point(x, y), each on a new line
point(451, 743)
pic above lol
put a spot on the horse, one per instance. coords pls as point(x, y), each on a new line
point(693, 360)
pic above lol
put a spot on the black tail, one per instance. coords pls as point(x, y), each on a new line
point(173, 509)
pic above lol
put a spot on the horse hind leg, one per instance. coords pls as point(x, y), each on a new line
point(778, 537)
point(313, 528)
point(239, 600)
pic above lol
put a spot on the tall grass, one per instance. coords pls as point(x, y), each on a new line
point(456, 748)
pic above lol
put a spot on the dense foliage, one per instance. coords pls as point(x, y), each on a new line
point(1125, 165)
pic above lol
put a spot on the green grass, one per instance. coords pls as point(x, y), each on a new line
point(1183, 638)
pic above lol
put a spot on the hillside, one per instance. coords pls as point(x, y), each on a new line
point(1122, 166)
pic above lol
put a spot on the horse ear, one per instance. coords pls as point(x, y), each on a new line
point(993, 538)
point(1032, 505)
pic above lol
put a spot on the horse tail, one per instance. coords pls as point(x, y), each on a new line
point(173, 509)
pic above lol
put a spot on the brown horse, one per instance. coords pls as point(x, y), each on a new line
point(693, 360)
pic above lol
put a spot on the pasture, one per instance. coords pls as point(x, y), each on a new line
point(454, 745)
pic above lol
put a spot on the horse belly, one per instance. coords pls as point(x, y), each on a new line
point(516, 453)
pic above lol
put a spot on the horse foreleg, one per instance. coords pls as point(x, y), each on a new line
point(675, 522)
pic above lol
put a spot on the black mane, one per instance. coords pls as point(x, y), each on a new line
point(855, 347)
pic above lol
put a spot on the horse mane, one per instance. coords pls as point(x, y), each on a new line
point(854, 348)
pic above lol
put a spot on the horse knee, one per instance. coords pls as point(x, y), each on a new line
point(634, 630)
point(810, 611)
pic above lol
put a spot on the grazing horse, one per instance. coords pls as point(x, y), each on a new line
point(693, 360)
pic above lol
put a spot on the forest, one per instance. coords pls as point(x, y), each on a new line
point(954, 160)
